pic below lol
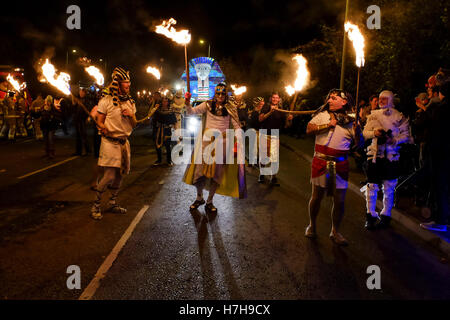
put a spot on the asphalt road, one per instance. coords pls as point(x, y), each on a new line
point(252, 249)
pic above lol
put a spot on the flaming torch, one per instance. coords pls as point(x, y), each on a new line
point(17, 86)
point(61, 82)
point(98, 76)
point(154, 72)
point(238, 90)
point(358, 43)
point(182, 37)
point(300, 81)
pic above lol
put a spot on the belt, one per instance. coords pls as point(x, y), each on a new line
point(329, 158)
point(119, 140)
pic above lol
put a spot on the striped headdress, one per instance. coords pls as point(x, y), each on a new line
point(118, 75)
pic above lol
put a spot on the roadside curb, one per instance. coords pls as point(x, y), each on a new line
point(409, 223)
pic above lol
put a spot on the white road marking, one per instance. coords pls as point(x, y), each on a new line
point(89, 292)
point(46, 168)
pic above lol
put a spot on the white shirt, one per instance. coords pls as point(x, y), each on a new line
point(220, 123)
point(339, 138)
point(117, 125)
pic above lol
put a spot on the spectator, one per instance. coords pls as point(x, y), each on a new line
point(439, 151)
point(365, 112)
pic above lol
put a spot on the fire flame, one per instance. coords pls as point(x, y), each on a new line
point(181, 37)
point(358, 42)
point(95, 72)
point(302, 75)
point(17, 86)
point(238, 91)
point(154, 72)
point(61, 82)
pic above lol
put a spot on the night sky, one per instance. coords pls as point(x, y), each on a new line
point(120, 33)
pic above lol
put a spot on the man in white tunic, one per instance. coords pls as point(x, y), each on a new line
point(335, 131)
point(116, 120)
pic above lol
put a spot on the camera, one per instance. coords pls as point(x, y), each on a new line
point(384, 135)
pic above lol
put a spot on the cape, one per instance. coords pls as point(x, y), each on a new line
point(233, 182)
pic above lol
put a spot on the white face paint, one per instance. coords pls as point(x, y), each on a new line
point(386, 100)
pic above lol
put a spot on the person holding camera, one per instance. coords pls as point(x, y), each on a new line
point(388, 129)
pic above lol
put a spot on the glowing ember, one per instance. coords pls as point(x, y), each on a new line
point(154, 72)
point(238, 91)
point(181, 37)
point(61, 82)
point(302, 75)
point(95, 72)
point(358, 42)
point(17, 86)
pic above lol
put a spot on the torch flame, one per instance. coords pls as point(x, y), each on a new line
point(154, 72)
point(61, 82)
point(238, 91)
point(358, 42)
point(181, 37)
point(302, 75)
point(17, 86)
point(95, 72)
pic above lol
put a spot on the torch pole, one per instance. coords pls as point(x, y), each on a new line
point(78, 101)
point(187, 69)
point(357, 95)
point(291, 108)
point(293, 101)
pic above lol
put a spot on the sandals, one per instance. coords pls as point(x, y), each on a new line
point(210, 208)
point(196, 204)
point(96, 214)
point(117, 209)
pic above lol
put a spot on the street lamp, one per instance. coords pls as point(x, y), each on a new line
point(74, 51)
point(201, 41)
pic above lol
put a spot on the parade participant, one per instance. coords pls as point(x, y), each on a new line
point(178, 106)
point(3, 94)
point(10, 111)
point(163, 121)
point(80, 119)
point(271, 119)
point(224, 178)
point(36, 109)
point(21, 108)
point(335, 131)
point(241, 106)
point(388, 129)
point(254, 123)
point(116, 119)
point(49, 122)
